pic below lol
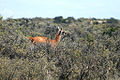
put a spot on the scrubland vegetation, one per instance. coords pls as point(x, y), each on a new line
point(89, 51)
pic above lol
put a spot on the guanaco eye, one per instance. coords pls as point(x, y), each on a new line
point(63, 33)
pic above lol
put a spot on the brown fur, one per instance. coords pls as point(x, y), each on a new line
point(45, 40)
point(38, 39)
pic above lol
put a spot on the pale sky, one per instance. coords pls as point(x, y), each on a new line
point(65, 8)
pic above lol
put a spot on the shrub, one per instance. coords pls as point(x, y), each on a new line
point(58, 19)
point(87, 52)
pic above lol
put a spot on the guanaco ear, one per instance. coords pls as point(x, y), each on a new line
point(58, 28)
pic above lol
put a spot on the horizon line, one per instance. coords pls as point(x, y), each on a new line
point(56, 16)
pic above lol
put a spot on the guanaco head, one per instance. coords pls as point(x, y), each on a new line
point(60, 33)
point(63, 32)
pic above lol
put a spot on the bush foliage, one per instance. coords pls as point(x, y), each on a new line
point(87, 52)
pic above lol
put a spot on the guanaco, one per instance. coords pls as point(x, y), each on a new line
point(53, 42)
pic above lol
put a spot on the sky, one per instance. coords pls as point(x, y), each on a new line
point(66, 8)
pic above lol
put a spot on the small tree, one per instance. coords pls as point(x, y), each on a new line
point(70, 19)
point(112, 20)
point(58, 19)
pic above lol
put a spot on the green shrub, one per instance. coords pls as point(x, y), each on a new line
point(87, 52)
